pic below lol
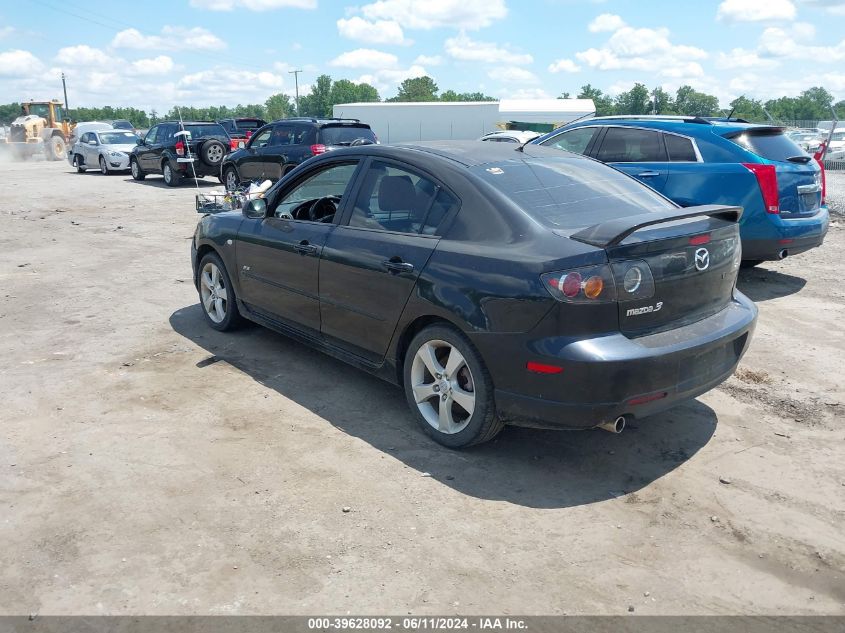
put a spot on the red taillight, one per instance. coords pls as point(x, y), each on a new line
point(319, 148)
point(767, 178)
point(570, 285)
point(649, 398)
point(233, 144)
point(540, 368)
point(180, 148)
point(698, 240)
point(248, 134)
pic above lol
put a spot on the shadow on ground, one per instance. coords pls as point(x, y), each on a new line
point(762, 284)
point(156, 180)
point(529, 467)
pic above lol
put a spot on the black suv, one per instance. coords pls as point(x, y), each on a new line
point(241, 128)
point(180, 150)
point(278, 147)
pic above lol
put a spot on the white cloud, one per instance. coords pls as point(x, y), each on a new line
point(160, 65)
point(606, 22)
point(428, 60)
point(253, 5)
point(433, 14)
point(172, 38)
point(463, 48)
point(796, 43)
point(83, 55)
point(755, 10)
point(526, 93)
point(19, 63)
point(365, 58)
point(742, 58)
point(837, 7)
point(513, 75)
point(378, 32)
point(564, 66)
point(644, 49)
point(387, 79)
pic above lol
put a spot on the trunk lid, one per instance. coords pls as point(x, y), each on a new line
point(671, 268)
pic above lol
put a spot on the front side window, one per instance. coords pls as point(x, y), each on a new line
point(151, 135)
point(398, 200)
point(318, 196)
point(261, 139)
point(630, 145)
point(575, 141)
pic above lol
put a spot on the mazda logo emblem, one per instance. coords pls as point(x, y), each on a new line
point(702, 259)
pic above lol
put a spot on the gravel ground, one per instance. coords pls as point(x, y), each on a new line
point(836, 191)
point(153, 466)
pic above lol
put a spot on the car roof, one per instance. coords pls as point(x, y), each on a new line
point(690, 126)
point(323, 121)
point(474, 153)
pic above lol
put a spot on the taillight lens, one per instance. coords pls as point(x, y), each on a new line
point(248, 134)
point(767, 178)
point(180, 148)
point(233, 144)
point(319, 148)
point(593, 284)
point(634, 280)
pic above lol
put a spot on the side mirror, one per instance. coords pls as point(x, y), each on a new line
point(140, 141)
point(255, 209)
point(92, 142)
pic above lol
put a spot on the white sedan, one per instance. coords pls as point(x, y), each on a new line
point(106, 150)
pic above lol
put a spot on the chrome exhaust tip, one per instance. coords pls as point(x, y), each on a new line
point(783, 253)
point(613, 426)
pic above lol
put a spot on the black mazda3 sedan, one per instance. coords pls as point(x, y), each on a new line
point(496, 285)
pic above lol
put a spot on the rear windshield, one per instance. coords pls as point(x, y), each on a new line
point(206, 130)
point(122, 125)
point(248, 124)
point(345, 134)
point(771, 145)
point(571, 194)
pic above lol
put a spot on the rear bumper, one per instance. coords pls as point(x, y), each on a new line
point(795, 235)
point(613, 375)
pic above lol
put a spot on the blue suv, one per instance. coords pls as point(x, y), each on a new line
point(697, 160)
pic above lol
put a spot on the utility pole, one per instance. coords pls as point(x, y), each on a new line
point(295, 74)
point(64, 87)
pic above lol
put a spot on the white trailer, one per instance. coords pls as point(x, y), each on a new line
point(459, 120)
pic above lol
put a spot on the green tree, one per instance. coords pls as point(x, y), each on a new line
point(451, 95)
point(689, 101)
point(417, 89)
point(317, 103)
point(662, 102)
point(278, 106)
point(345, 91)
point(635, 101)
point(564, 95)
point(748, 109)
point(603, 103)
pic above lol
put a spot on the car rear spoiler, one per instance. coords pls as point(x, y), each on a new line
point(612, 232)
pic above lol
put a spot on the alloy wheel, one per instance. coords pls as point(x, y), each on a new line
point(443, 386)
point(215, 297)
point(215, 154)
point(103, 167)
point(135, 168)
point(168, 173)
point(231, 180)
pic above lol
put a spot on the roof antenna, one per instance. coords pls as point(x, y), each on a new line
point(731, 113)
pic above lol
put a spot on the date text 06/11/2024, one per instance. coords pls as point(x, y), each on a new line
point(430, 623)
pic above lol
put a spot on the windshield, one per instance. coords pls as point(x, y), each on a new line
point(571, 194)
point(248, 124)
point(122, 125)
point(118, 138)
point(838, 136)
point(42, 110)
point(206, 130)
point(345, 134)
point(769, 144)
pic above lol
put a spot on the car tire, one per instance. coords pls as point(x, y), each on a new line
point(77, 162)
point(217, 297)
point(231, 179)
point(104, 168)
point(172, 178)
point(441, 389)
point(212, 152)
point(135, 168)
point(55, 148)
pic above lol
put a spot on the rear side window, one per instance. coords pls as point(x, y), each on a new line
point(571, 194)
point(630, 145)
point(768, 144)
point(206, 131)
point(680, 149)
point(345, 134)
point(576, 140)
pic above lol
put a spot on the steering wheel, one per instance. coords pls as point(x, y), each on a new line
point(323, 208)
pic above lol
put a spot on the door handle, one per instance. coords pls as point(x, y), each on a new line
point(648, 174)
point(398, 266)
point(304, 248)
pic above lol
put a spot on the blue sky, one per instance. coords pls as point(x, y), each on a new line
point(211, 52)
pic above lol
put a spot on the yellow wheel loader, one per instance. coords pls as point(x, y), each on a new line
point(41, 127)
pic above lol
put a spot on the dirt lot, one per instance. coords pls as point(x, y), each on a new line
point(153, 466)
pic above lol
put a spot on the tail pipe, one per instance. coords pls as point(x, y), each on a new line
point(782, 253)
point(614, 426)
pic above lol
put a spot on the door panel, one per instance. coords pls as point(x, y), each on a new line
point(366, 277)
point(249, 165)
point(278, 262)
